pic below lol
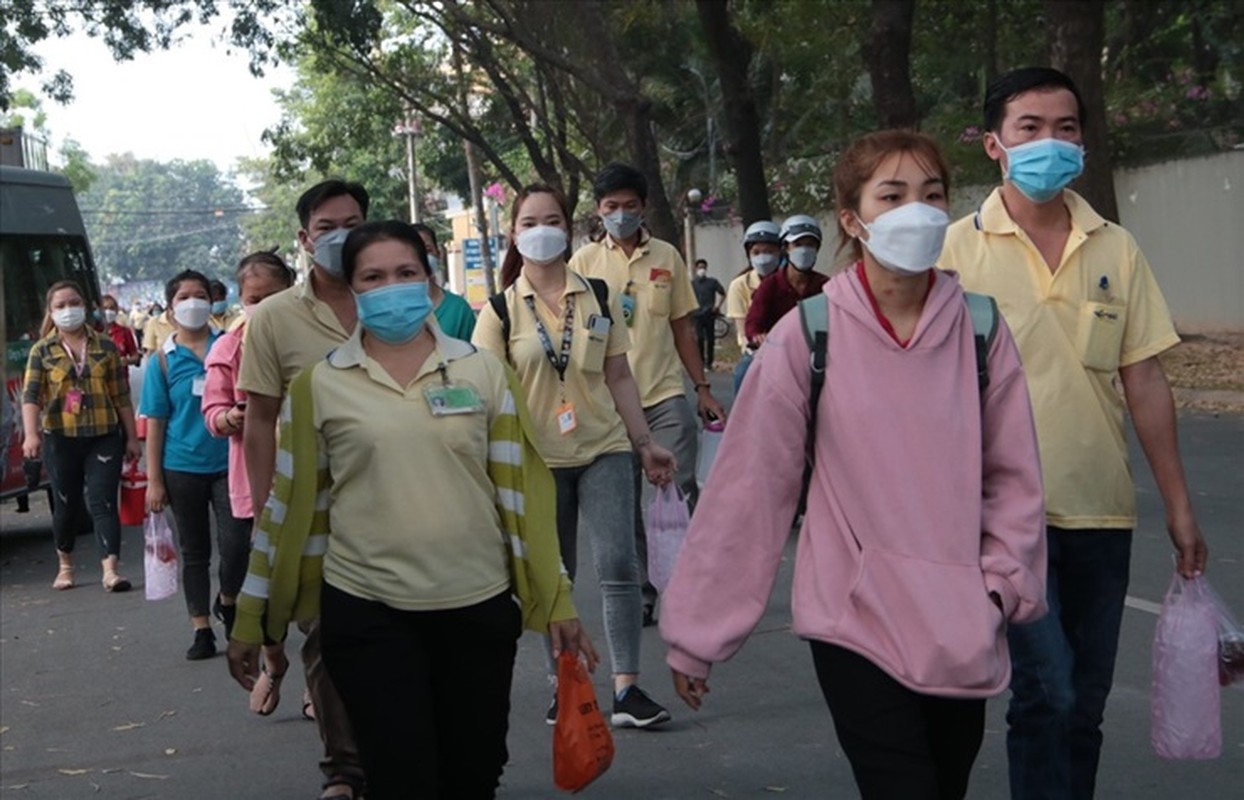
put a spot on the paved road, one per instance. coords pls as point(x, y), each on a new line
point(97, 700)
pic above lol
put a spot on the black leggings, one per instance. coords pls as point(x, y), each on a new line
point(427, 692)
point(90, 465)
point(192, 497)
point(900, 743)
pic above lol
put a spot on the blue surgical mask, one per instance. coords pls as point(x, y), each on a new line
point(621, 224)
point(328, 251)
point(220, 306)
point(394, 314)
point(1042, 169)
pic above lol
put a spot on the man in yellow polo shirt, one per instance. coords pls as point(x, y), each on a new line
point(156, 329)
point(286, 332)
point(1084, 308)
point(650, 278)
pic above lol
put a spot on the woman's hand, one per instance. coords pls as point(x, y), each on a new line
point(659, 464)
point(570, 635)
point(32, 446)
point(691, 690)
point(133, 448)
point(157, 497)
point(244, 663)
point(233, 420)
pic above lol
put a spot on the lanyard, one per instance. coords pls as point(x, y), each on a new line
point(559, 362)
point(78, 369)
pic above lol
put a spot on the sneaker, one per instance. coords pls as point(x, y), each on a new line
point(204, 645)
point(226, 614)
point(637, 710)
point(550, 716)
point(650, 615)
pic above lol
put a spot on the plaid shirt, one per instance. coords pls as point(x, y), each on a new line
point(51, 374)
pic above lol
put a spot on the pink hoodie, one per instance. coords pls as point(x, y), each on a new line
point(220, 393)
point(921, 502)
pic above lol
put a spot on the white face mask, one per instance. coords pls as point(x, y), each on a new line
point(763, 263)
point(907, 239)
point(802, 258)
point(192, 313)
point(110, 316)
point(542, 244)
point(69, 318)
point(700, 273)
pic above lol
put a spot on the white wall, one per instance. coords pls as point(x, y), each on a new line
point(1187, 216)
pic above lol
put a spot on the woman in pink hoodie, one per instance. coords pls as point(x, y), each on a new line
point(924, 534)
point(259, 275)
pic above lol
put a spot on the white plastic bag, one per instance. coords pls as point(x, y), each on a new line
point(1186, 697)
point(667, 527)
point(160, 559)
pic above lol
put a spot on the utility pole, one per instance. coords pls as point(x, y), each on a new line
point(410, 129)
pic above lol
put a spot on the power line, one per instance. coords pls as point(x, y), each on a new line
point(172, 212)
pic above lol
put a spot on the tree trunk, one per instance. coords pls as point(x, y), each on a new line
point(642, 144)
point(732, 55)
point(887, 55)
point(1077, 31)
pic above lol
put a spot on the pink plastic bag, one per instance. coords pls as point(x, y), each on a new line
point(160, 558)
point(667, 527)
point(1186, 697)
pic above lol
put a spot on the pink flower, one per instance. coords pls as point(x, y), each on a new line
point(970, 134)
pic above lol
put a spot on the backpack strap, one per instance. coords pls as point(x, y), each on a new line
point(814, 314)
point(601, 290)
point(502, 309)
point(983, 310)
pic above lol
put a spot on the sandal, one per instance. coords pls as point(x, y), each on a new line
point(64, 579)
point(342, 787)
point(308, 706)
point(115, 583)
point(267, 692)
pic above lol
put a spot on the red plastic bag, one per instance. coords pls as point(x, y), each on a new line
point(1186, 700)
point(160, 558)
point(133, 508)
point(667, 528)
point(582, 744)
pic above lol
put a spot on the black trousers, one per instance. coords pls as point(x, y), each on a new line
point(193, 498)
point(706, 336)
point(427, 692)
point(93, 464)
point(900, 743)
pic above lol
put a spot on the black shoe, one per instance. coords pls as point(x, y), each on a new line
point(226, 614)
point(650, 615)
point(550, 716)
point(204, 645)
point(637, 710)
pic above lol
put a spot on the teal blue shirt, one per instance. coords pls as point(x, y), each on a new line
point(177, 398)
point(455, 316)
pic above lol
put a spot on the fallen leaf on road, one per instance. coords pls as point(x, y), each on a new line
point(4, 729)
point(168, 751)
point(164, 714)
point(150, 776)
point(129, 726)
point(73, 771)
point(778, 789)
point(30, 703)
point(16, 786)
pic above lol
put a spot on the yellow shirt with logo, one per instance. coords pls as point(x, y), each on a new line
point(413, 516)
point(1100, 310)
point(599, 428)
point(739, 299)
point(657, 278)
point(286, 332)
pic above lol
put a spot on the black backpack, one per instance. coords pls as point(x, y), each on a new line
point(502, 309)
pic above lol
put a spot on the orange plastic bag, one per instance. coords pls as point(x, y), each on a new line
point(582, 744)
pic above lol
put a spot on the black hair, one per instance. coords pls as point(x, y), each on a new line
point(700, 261)
point(217, 287)
point(619, 178)
point(371, 232)
point(324, 191)
point(265, 261)
point(1005, 88)
point(170, 288)
point(421, 229)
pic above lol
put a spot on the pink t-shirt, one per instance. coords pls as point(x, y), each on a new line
point(221, 394)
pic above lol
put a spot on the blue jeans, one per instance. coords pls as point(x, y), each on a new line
point(740, 369)
point(1063, 666)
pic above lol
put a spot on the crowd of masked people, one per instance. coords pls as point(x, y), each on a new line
point(407, 480)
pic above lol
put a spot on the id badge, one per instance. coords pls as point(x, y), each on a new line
point(446, 400)
point(200, 383)
point(73, 401)
point(566, 419)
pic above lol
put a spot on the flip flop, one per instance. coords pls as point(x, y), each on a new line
point(64, 579)
point(308, 707)
point(115, 583)
point(267, 692)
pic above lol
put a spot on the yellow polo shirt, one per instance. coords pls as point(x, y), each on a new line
point(599, 428)
point(290, 330)
point(739, 299)
point(657, 278)
point(157, 329)
point(413, 521)
point(1100, 310)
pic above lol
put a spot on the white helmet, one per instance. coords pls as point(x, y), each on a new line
point(800, 225)
point(763, 231)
